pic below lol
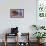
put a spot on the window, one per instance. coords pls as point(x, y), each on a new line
point(41, 8)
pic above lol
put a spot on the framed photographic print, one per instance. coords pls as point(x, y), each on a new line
point(16, 13)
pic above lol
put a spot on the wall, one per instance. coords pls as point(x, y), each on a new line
point(24, 24)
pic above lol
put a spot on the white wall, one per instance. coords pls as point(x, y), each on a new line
point(24, 24)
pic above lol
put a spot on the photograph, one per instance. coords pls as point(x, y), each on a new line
point(16, 13)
